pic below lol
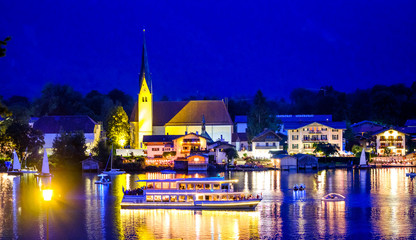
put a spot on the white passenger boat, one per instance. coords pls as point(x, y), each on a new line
point(189, 193)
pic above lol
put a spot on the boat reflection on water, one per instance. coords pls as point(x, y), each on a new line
point(334, 215)
point(188, 224)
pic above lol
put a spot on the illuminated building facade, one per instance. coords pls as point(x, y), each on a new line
point(302, 136)
point(175, 118)
point(391, 140)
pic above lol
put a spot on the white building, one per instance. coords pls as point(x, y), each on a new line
point(265, 142)
point(52, 126)
point(302, 136)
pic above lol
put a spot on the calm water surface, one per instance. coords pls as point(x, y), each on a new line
point(380, 205)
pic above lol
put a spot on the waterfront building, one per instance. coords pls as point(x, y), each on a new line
point(159, 149)
point(174, 118)
point(218, 151)
point(242, 122)
point(390, 141)
point(363, 133)
point(240, 141)
point(302, 136)
point(265, 143)
point(52, 126)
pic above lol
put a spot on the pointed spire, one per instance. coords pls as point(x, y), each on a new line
point(144, 70)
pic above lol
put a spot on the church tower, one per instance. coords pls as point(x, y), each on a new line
point(145, 101)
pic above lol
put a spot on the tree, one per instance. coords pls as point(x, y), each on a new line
point(4, 43)
point(4, 111)
point(260, 116)
point(118, 128)
point(102, 151)
point(25, 140)
point(326, 149)
point(231, 154)
point(68, 149)
point(59, 99)
point(120, 98)
point(20, 107)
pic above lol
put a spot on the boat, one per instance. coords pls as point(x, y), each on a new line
point(112, 170)
point(29, 170)
point(333, 197)
point(300, 187)
point(411, 174)
point(45, 166)
point(168, 172)
point(189, 193)
point(363, 160)
point(16, 170)
point(103, 179)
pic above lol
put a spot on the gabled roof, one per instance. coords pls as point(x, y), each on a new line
point(304, 118)
point(56, 124)
point(267, 136)
point(366, 127)
point(410, 123)
point(335, 125)
point(187, 113)
point(387, 129)
point(239, 137)
point(163, 111)
point(160, 138)
point(214, 111)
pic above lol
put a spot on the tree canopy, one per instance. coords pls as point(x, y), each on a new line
point(118, 127)
point(68, 149)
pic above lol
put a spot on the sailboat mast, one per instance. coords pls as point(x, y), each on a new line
point(111, 166)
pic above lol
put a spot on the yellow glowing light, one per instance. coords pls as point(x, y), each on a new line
point(121, 142)
point(47, 194)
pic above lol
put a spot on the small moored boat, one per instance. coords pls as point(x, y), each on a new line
point(411, 174)
point(103, 179)
point(189, 193)
point(333, 197)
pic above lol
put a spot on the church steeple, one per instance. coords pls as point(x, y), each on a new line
point(144, 69)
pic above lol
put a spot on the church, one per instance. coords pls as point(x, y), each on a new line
point(175, 118)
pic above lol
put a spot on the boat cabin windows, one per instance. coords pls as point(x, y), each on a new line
point(165, 198)
point(190, 198)
point(216, 186)
point(181, 198)
point(200, 198)
point(191, 186)
point(173, 185)
point(199, 186)
point(208, 186)
point(165, 185)
point(224, 198)
point(182, 186)
point(158, 185)
point(216, 197)
point(208, 197)
point(158, 198)
point(173, 198)
point(149, 198)
point(149, 185)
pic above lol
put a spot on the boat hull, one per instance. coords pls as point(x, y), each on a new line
point(15, 173)
point(129, 203)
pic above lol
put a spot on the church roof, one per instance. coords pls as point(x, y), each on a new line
point(214, 111)
point(144, 69)
point(56, 124)
point(187, 113)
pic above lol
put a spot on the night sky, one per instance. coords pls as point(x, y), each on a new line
point(207, 48)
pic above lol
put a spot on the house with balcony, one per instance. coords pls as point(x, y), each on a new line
point(302, 136)
point(189, 143)
point(159, 149)
point(390, 141)
point(264, 143)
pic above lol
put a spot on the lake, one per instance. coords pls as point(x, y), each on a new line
point(380, 203)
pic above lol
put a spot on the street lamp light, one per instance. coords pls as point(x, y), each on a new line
point(47, 194)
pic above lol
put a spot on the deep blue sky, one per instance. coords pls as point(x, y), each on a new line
point(222, 48)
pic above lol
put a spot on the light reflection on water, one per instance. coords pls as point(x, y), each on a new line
point(380, 204)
